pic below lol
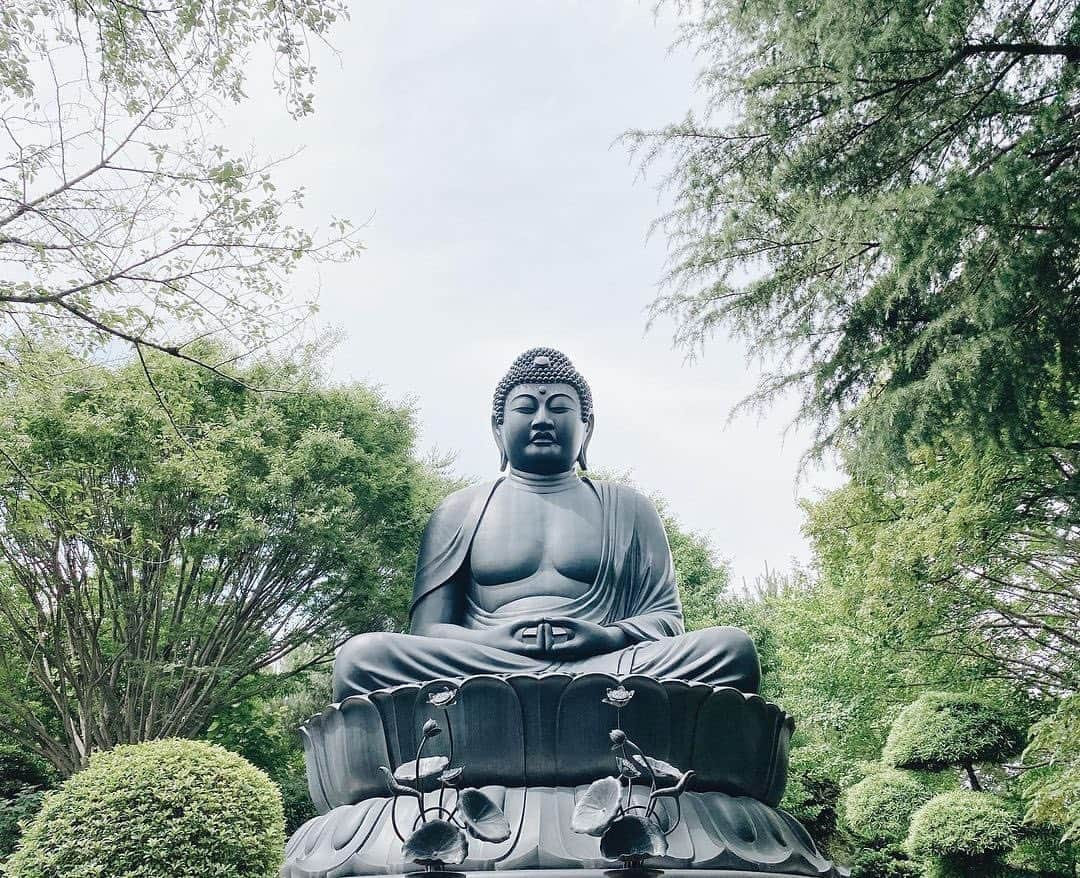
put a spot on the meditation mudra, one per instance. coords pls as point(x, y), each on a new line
point(544, 569)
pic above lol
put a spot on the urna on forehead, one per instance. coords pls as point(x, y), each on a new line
point(541, 366)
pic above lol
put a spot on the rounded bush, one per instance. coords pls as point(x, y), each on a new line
point(962, 824)
point(879, 807)
point(941, 729)
point(182, 809)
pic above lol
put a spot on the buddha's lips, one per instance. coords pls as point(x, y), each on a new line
point(543, 438)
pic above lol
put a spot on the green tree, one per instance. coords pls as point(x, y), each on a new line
point(962, 834)
point(154, 559)
point(1052, 785)
point(884, 198)
point(944, 729)
point(120, 219)
point(879, 807)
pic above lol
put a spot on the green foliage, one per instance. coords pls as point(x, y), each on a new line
point(23, 781)
point(882, 200)
point(19, 770)
point(124, 224)
point(167, 807)
point(969, 555)
point(962, 823)
point(204, 540)
point(885, 198)
point(1043, 855)
point(16, 812)
point(879, 807)
point(265, 731)
point(1051, 787)
point(887, 862)
point(812, 795)
point(942, 729)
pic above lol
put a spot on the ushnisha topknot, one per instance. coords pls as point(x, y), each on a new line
point(541, 366)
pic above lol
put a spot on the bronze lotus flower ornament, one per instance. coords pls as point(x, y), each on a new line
point(439, 834)
point(631, 833)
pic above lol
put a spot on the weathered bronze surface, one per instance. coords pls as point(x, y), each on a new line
point(544, 570)
point(547, 665)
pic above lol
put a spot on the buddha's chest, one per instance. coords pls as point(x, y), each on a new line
point(557, 537)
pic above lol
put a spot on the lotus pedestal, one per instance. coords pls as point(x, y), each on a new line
point(533, 744)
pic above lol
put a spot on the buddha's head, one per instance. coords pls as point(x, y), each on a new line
point(542, 414)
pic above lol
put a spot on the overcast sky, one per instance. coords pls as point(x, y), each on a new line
point(476, 138)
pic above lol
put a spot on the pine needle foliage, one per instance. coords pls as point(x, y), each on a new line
point(943, 729)
point(879, 807)
point(884, 197)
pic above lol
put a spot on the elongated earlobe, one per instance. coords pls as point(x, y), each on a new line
point(585, 445)
point(496, 432)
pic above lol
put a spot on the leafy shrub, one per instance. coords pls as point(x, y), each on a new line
point(1052, 791)
point(813, 793)
point(1041, 854)
point(887, 862)
point(23, 780)
point(15, 814)
point(879, 807)
point(944, 728)
point(182, 809)
point(266, 732)
point(962, 824)
point(19, 771)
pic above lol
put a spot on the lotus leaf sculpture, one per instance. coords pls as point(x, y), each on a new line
point(438, 838)
point(630, 833)
point(436, 843)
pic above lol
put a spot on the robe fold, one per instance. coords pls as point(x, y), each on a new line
point(634, 589)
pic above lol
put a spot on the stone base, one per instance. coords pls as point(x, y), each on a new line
point(726, 835)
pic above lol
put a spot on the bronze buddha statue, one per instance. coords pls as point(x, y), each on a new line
point(544, 569)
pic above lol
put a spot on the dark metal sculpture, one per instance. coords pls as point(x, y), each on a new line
point(438, 835)
point(542, 602)
point(630, 833)
point(545, 570)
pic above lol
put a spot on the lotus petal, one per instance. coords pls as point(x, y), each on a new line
point(633, 837)
point(442, 697)
point(483, 818)
point(598, 807)
point(618, 697)
point(436, 843)
point(659, 767)
point(627, 768)
point(430, 766)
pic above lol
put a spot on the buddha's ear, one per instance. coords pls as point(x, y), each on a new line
point(589, 424)
point(496, 431)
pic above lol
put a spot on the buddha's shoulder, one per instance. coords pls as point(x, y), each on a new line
point(626, 496)
point(457, 504)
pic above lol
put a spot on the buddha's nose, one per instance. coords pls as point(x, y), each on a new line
point(542, 421)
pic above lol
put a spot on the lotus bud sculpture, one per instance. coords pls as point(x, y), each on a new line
point(628, 832)
point(437, 838)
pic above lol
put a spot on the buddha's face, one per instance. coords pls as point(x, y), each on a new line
point(542, 431)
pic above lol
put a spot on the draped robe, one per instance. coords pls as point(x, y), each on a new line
point(634, 590)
